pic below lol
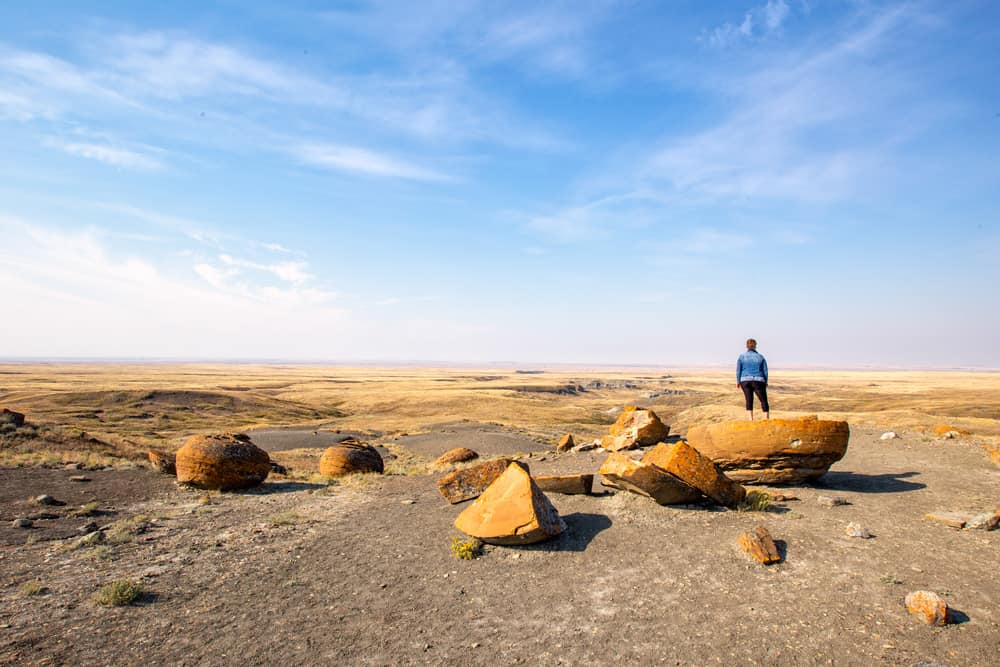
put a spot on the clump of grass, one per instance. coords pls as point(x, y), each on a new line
point(756, 501)
point(118, 593)
point(890, 580)
point(465, 549)
point(286, 519)
point(405, 462)
point(126, 530)
point(102, 552)
point(32, 588)
point(90, 509)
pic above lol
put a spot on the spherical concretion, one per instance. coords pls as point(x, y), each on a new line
point(348, 457)
point(224, 461)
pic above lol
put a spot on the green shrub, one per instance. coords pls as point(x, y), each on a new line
point(756, 501)
point(118, 593)
point(32, 588)
point(465, 549)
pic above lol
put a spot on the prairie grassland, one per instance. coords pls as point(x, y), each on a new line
point(159, 404)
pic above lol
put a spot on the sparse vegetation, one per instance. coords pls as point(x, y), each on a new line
point(890, 580)
point(756, 501)
point(90, 509)
point(465, 549)
point(126, 530)
point(32, 588)
point(286, 519)
point(119, 593)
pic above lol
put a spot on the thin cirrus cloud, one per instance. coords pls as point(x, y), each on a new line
point(363, 161)
point(111, 155)
point(760, 21)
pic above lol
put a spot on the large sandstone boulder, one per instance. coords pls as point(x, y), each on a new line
point(468, 483)
point(224, 461)
point(621, 472)
point(512, 510)
point(457, 455)
point(350, 456)
point(636, 427)
point(687, 464)
point(772, 451)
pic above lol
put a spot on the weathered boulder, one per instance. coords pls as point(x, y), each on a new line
point(468, 483)
point(350, 456)
point(565, 443)
point(636, 427)
point(512, 510)
point(11, 417)
point(928, 607)
point(759, 544)
point(772, 451)
point(685, 463)
point(164, 462)
point(224, 461)
point(621, 472)
point(566, 484)
point(457, 455)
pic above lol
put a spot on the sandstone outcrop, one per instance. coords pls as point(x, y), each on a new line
point(621, 472)
point(512, 510)
point(928, 607)
point(759, 544)
point(224, 461)
point(566, 484)
point(772, 451)
point(164, 462)
point(565, 443)
point(457, 455)
point(468, 483)
point(636, 427)
point(350, 456)
point(685, 463)
point(11, 417)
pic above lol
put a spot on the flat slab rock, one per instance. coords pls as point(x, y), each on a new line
point(773, 451)
point(468, 483)
point(566, 484)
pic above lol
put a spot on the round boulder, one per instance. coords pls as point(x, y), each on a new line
point(457, 455)
point(350, 456)
point(224, 461)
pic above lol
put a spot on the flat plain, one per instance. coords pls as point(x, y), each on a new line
point(360, 571)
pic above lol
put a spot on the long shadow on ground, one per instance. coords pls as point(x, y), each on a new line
point(893, 482)
point(581, 528)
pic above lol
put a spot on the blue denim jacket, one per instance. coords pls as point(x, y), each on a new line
point(751, 366)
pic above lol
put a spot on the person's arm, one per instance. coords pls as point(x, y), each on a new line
point(764, 368)
point(739, 369)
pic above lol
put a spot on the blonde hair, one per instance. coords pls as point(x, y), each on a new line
point(751, 344)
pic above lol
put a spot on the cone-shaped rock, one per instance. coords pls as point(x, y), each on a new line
point(457, 455)
point(772, 451)
point(512, 510)
point(164, 462)
point(467, 483)
point(224, 461)
point(565, 443)
point(621, 472)
point(348, 457)
point(636, 427)
point(684, 462)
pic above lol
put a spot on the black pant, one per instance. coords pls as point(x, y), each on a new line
point(751, 387)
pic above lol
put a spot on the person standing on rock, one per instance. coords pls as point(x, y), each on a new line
point(751, 377)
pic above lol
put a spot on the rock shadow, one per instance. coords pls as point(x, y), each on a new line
point(956, 617)
point(280, 487)
point(782, 548)
point(893, 482)
point(581, 529)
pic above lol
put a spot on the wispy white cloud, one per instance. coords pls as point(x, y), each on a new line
point(291, 272)
point(760, 21)
point(112, 155)
point(363, 161)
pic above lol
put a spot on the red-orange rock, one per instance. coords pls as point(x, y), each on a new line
point(164, 462)
point(759, 544)
point(468, 483)
point(636, 427)
point(685, 462)
point(224, 461)
point(928, 607)
point(945, 429)
point(566, 484)
point(772, 451)
point(457, 455)
point(350, 456)
point(621, 472)
point(512, 510)
point(565, 443)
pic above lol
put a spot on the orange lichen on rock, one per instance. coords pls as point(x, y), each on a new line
point(759, 544)
point(635, 427)
point(468, 483)
point(164, 462)
point(621, 472)
point(772, 451)
point(512, 510)
point(566, 484)
point(224, 461)
point(350, 456)
point(928, 607)
point(457, 455)
point(945, 429)
point(685, 462)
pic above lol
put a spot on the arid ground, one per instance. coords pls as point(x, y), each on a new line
point(303, 570)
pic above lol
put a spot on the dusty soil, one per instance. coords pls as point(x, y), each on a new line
point(362, 573)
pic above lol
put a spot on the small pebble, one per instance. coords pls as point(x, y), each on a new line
point(79, 478)
point(407, 502)
point(889, 435)
point(87, 528)
point(857, 530)
point(22, 523)
point(832, 501)
point(47, 500)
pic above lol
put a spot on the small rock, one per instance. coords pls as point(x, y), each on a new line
point(407, 502)
point(759, 544)
point(889, 435)
point(950, 435)
point(79, 478)
point(565, 443)
point(587, 446)
point(857, 530)
point(73, 466)
point(90, 539)
point(278, 469)
point(951, 519)
point(87, 528)
point(47, 500)
point(457, 455)
point(22, 523)
point(928, 607)
point(984, 521)
point(832, 501)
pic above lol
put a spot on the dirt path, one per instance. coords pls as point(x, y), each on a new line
point(299, 574)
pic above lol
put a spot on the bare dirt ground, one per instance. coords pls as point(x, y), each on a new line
point(361, 571)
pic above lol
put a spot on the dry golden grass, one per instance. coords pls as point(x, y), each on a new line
point(130, 407)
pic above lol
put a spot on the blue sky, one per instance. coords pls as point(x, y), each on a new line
point(579, 182)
